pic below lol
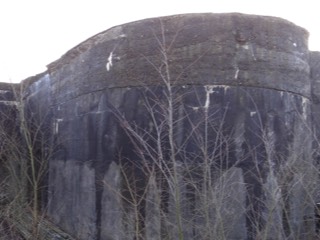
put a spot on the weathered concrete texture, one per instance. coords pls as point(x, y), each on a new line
point(227, 60)
point(262, 129)
point(8, 127)
point(315, 76)
point(232, 49)
point(72, 198)
point(239, 164)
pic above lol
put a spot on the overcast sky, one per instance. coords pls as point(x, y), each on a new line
point(37, 32)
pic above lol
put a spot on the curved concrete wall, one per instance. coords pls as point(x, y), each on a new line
point(241, 81)
point(228, 49)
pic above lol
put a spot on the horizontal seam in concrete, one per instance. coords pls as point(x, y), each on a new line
point(147, 86)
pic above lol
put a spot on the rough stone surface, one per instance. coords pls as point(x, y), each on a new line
point(245, 89)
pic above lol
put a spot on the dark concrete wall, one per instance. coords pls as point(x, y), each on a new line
point(315, 77)
point(241, 89)
point(8, 127)
point(206, 49)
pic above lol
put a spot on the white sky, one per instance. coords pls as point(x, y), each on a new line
point(34, 33)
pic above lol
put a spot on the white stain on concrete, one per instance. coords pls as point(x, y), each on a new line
point(305, 105)
point(209, 91)
point(253, 113)
point(281, 94)
point(236, 74)
point(109, 62)
point(245, 46)
point(56, 125)
point(249, 48)
point(195, 109)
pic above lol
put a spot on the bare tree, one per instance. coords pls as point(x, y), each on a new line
point(26, 147)
point(183, 176)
